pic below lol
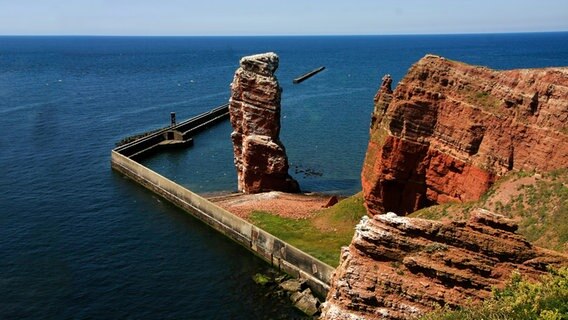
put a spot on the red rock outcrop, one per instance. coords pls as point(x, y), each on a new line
point(254, 107)
point(450, 129)
point(400, 267)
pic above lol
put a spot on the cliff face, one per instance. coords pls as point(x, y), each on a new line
point(260, 157)
point(450, 129)
point(399, 267)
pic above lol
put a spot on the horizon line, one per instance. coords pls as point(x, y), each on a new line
point(283, 35)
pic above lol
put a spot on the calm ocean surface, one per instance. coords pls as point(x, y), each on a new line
point(80, 241)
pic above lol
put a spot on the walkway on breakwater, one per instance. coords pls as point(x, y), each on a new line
point(271, 249)
point(174, 136)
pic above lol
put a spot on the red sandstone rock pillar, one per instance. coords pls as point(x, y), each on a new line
point(260, 157)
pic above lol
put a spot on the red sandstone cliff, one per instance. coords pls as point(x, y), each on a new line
point(450, 129)
point(260, 157)
point(400, 268)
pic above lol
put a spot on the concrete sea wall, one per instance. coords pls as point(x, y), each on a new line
point(268, 247)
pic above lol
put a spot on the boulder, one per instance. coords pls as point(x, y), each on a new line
point(293, 285)
point(306, 302)
point(333, 200)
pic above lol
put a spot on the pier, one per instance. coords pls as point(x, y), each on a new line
point(175, 136)
point(307, 75)
point(271, 249)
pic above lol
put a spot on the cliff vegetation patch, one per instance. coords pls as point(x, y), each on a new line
point(323, 234)
point(537, 202)
point(520, 299)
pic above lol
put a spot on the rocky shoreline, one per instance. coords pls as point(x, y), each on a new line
point(296, 290)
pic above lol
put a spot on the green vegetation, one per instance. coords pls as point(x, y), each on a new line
point(482, 99)
point(345, 214)
point(322, 235)
point(435, 247)
point(520, 299)
point(379, 135)
point(262, 279)
point(539, 205)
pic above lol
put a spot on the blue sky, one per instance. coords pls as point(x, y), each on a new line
point(285, 17)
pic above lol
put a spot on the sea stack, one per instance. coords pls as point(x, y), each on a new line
point(254, 107)
point(449, 130)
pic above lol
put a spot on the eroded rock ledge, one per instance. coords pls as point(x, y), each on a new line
point(399, 267)
point(260, 157)
point(450, 129)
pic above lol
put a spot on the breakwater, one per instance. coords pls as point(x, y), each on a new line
point(273, 250)
point(174, 136)
point(308, 75)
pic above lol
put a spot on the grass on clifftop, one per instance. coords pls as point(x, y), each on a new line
point(539, 204)
point(322, 235)
point(519, 300)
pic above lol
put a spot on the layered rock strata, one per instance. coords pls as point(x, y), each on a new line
point(450, 129)
point(400, 268)
point(254, 107)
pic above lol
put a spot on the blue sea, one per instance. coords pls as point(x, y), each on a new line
point(79, 241)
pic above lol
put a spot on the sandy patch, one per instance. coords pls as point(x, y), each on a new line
point(509, 190)
point(288, 205)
